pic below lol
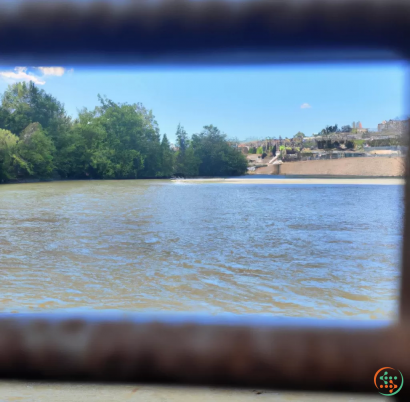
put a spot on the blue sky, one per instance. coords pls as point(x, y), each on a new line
point(244, 102)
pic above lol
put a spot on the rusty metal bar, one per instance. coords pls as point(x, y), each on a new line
point(202, 31)
point(405, 268)
point(280, 355)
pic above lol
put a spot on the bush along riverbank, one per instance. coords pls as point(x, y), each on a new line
point(39, 141)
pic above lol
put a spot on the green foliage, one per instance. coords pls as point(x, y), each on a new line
point(167, 158)
point(349, 144)
point(112, 141)
point(358, 143)
point(299, 136)
point(8, 145)
point(185, 161)
point(329, 130)
point(190, 165)
point(259, 150)
point(24, 103)
point(389, 142)
point(252, 150)
point(73, 155)
point(282, 151)
point(182, 138)
point(309, 144)
point(216, 156)
point(35, 152)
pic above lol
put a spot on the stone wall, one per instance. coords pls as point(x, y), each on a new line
point(367, 166)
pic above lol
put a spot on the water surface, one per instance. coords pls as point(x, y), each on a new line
point(286, 250)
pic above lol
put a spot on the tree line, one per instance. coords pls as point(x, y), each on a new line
point(39, 140)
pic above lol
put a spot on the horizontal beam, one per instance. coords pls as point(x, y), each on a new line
point(243, 353)
point(202, 31)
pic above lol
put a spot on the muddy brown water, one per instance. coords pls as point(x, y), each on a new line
point(329, 251)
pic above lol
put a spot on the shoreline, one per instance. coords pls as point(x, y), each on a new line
point(305, 181)
point(253, 179)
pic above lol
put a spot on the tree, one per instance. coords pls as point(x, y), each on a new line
point(118, 140)
point(74, 154)
point(167, 158)
point(329, 130)
point(182, 144)
point(299, 135)
point(151, 144)
point(182, 138)
point(346, 129)
point(217, 157)
point(8, 145)
point(282, 151)
point(24, 103)
point(191, 163)
point(36, 152)
point(78, 155)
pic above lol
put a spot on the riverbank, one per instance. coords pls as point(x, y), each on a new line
point(301, 180)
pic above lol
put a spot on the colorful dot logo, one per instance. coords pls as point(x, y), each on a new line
point(388, 381)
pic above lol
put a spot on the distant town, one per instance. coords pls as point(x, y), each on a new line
point(332, 142)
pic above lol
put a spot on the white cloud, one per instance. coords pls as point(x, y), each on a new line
point(20, 74)
point(34, 74)
point(305, 106)
point(57, 71)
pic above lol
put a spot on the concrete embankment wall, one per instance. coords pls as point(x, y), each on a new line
point(270, 169)
point(370, 166)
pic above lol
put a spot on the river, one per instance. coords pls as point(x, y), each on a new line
point(327, 251)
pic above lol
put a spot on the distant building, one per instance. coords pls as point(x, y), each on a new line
point(358, 127)
point(243, 148)
point(381, 126)
point(395, 126)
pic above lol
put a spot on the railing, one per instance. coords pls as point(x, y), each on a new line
point(280, 354)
